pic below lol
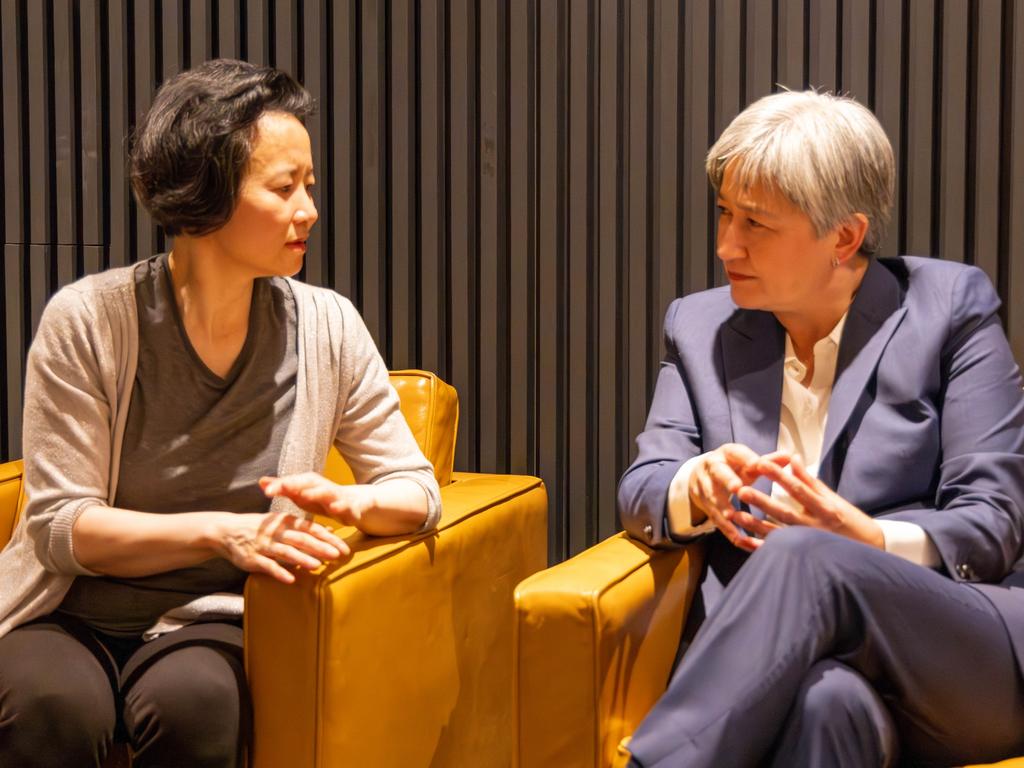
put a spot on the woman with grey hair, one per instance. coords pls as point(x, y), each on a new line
point(845, 433)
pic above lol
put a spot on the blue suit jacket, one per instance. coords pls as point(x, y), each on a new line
point(925, 423)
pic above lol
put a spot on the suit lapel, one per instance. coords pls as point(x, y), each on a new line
point(874, 316)
point(753, 348)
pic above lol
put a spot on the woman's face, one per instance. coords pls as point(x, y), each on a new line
point(266, 234)
point(772, 256)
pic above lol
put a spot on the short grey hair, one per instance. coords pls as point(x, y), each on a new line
point(826, 154)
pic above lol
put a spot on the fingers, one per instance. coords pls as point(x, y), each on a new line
point(771, 506)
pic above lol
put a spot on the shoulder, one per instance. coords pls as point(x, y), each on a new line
point(962, 293)
point(700, 310)
point(96, 303)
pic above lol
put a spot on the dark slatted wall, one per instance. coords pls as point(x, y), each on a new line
point(512, 191)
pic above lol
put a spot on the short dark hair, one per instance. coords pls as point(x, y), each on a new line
point(189, 153)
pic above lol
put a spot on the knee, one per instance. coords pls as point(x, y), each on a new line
point(56, 722)
point(196, 713)
point(832, 691)
point(837, 704)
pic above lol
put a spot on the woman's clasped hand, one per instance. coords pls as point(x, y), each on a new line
point(731, 470)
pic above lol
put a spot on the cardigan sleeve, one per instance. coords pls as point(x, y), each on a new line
point(372, 435)
point(68, 418)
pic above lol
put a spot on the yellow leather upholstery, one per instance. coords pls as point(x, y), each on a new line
point(432, 409)
point(402, 655)
point(10, 498)
point(596, 637)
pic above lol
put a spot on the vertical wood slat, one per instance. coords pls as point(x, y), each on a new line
point(791, 62)
point(578, 317)
point(889, 101)
point(492, 181)
point(920, 130)
point(373, 203)
point(119, 99)
point(550, 234)
point(15, 338)
point(66, 146)
point(344, 179)
point(402, 185)
point(315, 67)
point(522, 234)
point(41, 196)
point(512, 192)
point(432, 189)
point(952, 170)
point(1013, 204)
point(93, 146)
point(14, 166)
point(637, 216)
point(986, 114)
point(463, 221)
point(610, 448)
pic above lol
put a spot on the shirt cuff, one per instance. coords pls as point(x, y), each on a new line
point(680, 523)
point(909, 541)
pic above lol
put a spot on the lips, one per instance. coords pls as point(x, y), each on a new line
point(296, 245)
point(736, 276)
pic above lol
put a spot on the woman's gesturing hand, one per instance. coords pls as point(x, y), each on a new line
point(315, 494)
point(721, 474)
point(267, 543)
point(818, 506)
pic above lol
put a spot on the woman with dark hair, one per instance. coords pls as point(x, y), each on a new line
point(176, 414)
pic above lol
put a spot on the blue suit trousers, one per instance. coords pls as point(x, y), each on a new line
point(826, 652)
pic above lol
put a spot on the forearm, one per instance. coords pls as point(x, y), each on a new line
point(399, 506)
point(121, 542)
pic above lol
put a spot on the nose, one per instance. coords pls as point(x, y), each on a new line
point(306, 212)
point(727, 247)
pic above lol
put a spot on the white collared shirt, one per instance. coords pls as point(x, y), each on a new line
point(802, 420)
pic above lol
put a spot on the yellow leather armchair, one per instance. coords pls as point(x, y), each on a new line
point(595, 639)
point(400, 656)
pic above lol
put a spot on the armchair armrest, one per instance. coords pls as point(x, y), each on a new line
point(402, 654)
point(596, 637)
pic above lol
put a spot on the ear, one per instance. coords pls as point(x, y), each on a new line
point(849, 236)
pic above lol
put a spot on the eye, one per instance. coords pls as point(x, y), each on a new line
point(723, 211)
point(755, 224)
point(285, 189)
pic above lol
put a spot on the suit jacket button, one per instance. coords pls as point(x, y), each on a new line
point(649, 531)
point(964, 571)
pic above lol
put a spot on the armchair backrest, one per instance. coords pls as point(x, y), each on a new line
point(429, 405)
point(10, 498)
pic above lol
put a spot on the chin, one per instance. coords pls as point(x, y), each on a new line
point(744, 298)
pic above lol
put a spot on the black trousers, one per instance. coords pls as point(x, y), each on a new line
point(67, 693)
point(825, 652)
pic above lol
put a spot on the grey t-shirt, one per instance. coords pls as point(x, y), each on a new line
point(194, 442)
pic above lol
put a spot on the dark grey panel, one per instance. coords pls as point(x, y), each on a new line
point(41, 165)
point(522, 226)
point(463, 222)
point(402, 185)
point(94, 143)
point(67, 149)
point(15, 170)
point(951, 182)
point(986, 111)
point(15, 347)
point(432, 197)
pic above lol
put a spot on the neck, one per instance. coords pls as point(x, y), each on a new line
point(213, 299)
point(807, 327)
